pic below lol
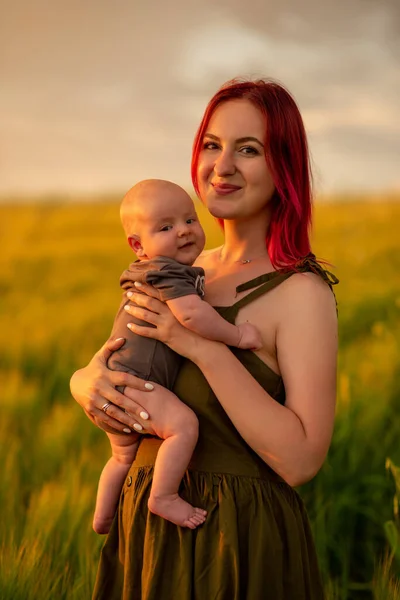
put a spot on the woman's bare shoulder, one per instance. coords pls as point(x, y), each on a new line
point(306, 294)
point(308, 285)
point(307, 281)
point(300, 294)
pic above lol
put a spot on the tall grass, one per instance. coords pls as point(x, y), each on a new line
point(59, 271)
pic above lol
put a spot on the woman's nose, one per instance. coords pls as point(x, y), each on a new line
point(224, 164)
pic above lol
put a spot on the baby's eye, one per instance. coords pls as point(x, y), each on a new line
point(166, 228)
point(190, 221)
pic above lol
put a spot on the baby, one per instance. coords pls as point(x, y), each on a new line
point(160, 222)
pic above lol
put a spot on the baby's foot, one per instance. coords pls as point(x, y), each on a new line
point(101, 524)
point(176, 510)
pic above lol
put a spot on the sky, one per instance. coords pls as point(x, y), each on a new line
point(97, 95)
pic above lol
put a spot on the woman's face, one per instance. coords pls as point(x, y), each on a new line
point(233, 176)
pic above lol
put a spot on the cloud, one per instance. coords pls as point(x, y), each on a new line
point(97, 95)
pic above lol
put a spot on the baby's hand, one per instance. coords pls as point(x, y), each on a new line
point(250, 337)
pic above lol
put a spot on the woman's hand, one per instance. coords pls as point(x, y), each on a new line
point(94, 386)
point(167, 328)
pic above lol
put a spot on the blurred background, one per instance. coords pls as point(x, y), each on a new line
point(97, 96)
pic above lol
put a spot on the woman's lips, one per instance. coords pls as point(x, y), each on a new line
point(223, 189)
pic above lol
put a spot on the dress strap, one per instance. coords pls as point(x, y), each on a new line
point(268, 281)
point(310, 263)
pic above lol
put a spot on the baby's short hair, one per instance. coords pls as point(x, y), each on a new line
point(131, 201)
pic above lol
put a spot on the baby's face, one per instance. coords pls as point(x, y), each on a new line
point(168, 226)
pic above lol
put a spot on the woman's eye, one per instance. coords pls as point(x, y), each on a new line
point(210, 146)
point(249, 150)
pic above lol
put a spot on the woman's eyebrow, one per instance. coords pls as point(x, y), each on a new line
point(241, 140)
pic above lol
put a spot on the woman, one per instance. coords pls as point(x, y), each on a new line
point(266, 418)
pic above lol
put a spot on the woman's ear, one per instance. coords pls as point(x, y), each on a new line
point(135, 244)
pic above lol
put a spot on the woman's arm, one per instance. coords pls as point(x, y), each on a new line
point(292, 439)
point(95, 385)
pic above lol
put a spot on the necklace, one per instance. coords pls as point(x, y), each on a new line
point(243, 261)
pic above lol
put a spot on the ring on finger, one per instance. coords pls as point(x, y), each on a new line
point(106, 406)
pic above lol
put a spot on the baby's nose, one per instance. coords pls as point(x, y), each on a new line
point(183, 229)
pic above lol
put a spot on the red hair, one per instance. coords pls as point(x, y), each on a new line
point(287, 158)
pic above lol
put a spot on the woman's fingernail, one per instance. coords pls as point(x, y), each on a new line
point(119, 339)
point(149, 386)
point(129, 325)
point(144, 415)
point(126, 430)
point(129, 294)
point(138, 427)
point(138, 284)
point(126, 307)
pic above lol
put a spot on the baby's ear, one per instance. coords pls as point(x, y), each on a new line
point(135, 244)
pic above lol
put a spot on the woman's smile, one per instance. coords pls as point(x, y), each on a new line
point(223, 189)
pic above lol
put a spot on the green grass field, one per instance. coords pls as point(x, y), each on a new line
point(60, 266)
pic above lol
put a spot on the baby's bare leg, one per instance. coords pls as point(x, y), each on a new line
point(124, 448)
point(172, 460)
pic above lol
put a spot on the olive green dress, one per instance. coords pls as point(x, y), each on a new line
point(256, 542)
